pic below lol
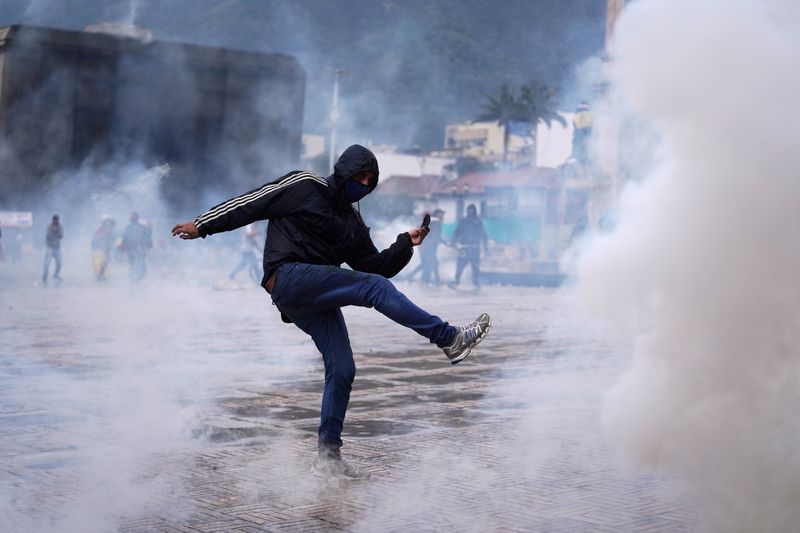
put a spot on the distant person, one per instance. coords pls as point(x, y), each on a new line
point(470, 234)
point(102, 243)
point(429, 251)
point(52, 241)
point(248, 258)
point(582, 121)
point(12, 245)
point(429, 259)
point(136, 242)
point(313, 229)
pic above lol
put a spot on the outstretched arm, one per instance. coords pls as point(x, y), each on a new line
point(279, 198)
point(187, 230)
point(391, 260)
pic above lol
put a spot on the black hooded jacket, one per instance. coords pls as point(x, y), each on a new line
point(311, 221)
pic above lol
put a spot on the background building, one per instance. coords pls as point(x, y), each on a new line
point(70, 99)
point(484, 141)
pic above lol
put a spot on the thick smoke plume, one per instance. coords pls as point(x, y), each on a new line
point(703, 266)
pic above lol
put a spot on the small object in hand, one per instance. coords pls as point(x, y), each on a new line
point(426, 220)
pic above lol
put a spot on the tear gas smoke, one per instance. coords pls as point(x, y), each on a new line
point(703, 267)
point(152, 390)
point(127, 405)
point(424, 49)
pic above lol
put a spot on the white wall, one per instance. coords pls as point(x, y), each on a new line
point(392, 164)
point(554, 144)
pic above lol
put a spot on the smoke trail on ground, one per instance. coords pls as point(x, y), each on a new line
point(128, 406)
point(702, 268)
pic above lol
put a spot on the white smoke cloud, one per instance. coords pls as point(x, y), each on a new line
point(703, 266)
point(126, 405)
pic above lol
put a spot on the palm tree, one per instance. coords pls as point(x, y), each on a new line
point(532, 103)
point(504, 109)
point(538, 104)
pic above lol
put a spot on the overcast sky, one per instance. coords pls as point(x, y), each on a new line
point(415, 65)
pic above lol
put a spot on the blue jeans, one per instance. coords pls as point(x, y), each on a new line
point(312, 297)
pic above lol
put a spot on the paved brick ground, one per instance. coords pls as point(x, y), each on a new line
point(182, 408)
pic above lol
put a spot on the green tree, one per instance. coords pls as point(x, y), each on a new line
point(505, 108)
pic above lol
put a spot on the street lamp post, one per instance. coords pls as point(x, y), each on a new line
point(337, 73)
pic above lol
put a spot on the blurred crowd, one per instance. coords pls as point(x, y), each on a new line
point(130, 253)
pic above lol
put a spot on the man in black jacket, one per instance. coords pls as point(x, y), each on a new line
point(52, 241)
point(313, 229)
point(469, 236)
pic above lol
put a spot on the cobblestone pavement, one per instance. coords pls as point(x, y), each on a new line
point(183, 408)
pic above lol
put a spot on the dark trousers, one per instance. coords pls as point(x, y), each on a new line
point(137, 267)
point(52, 254)
point(469, 255)
point(312, 297)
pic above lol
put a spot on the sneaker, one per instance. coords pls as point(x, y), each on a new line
point(330, 463)
point(467, 337)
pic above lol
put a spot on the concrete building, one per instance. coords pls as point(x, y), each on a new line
point(70, 99)
point(393, 163)
point(531, 214)
point(484, 141)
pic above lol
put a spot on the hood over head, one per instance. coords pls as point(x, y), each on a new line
point(355, 160)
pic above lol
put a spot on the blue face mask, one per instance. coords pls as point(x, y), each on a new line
point(354, 190)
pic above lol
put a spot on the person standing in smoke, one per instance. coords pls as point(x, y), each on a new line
point(137, 241)
point(469, 236)
point(429, 251)
point(102, 242)
point(52, 241)
point(582, 123)
point(248, 257)
point(313, 229)
point(429, 259)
